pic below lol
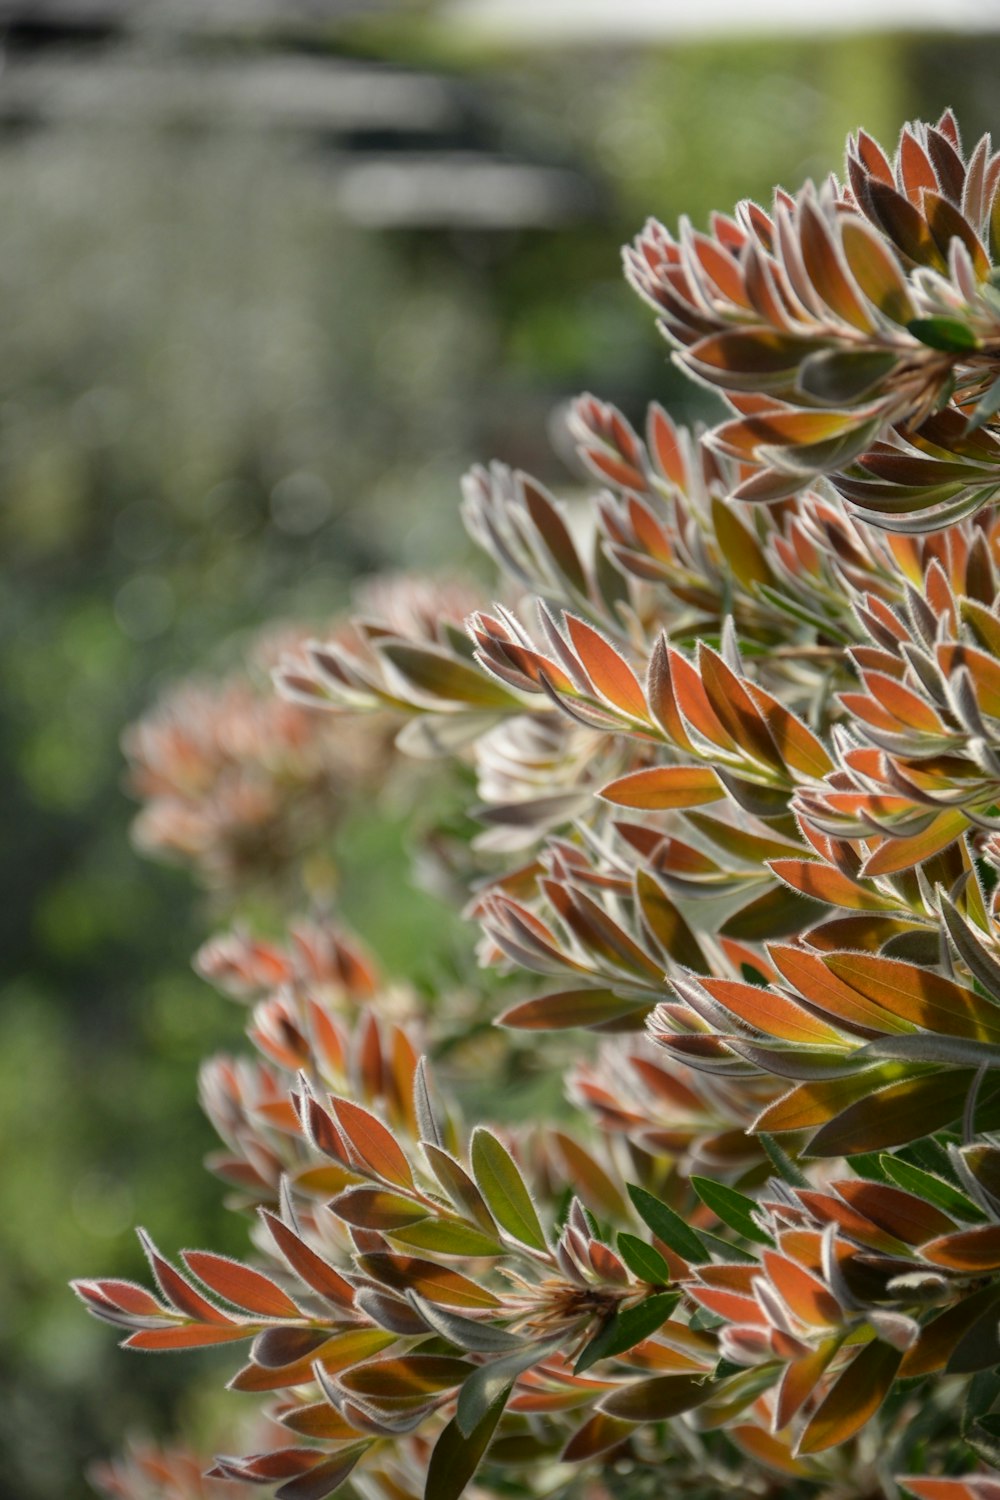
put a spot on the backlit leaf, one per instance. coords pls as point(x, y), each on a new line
point(502, 1185)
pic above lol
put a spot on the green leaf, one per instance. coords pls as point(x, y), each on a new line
point(643, 1260)
point(457, 1455)
point(947, 334)
point(668, 1226)
point(731, 1207)
point(777, 913)
point(782, 1162)
point(837, 376)
point(870, 1165)
point(502, 1185)
point(431, 670)
point(657, 1399)
point(628, 1327)
point(931, 1188)
point(666, 924)
point(446, 1237)
point(739, 546)
point(493, 1382)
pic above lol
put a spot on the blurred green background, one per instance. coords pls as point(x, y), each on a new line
point(266, 289)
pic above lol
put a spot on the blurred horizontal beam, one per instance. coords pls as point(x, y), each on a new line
point(293, 91)
point(540, 22)
point(460, 190)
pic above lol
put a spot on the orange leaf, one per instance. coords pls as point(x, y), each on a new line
point(660, 787)
point(313, 1270)
point(372, 1142)
point(245, 1288)
point(853, 1399)
point(825, 883)
point(917, 995)
point(608, 671)
point(969, 1250)
point(189, 1336)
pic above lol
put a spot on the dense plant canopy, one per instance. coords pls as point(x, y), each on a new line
point(735, 725)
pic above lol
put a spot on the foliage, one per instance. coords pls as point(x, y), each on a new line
point(735, 725)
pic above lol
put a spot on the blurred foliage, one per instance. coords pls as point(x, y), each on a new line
point(219, 402)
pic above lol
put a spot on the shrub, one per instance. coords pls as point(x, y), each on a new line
point(736, 729)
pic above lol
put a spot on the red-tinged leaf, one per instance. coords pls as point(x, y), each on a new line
point(732, 1306)
point(608, 671)
point(984, 671)
point(282, 1463)
point(409, 1375)
point(772, 1013)
point(554, 532)
point(823, 991)
point(597, 1435)
point(665, 923)
point(800, 1380)
point(439, 1284)
point(374, 1144)
point(798, 746)
point(810, 1105)
point(805, 1294)
point(597, 932)
point(126, 1296)
point(502, 1185)
point(572, 1008)
point(692, 702)
point(899, 1213)
point(339, 1352)
point(780, 428)
point(372, 1208)
point(243, 1287)
point(190, 1335)
point(766, 1449)
point(746, 361)
point(895, 854)
point(178, 1291)
point(661, 787)
point(826, 1209)
point(876, 270)
point(319, 1420)
point(870, 932)
point(595, 1187)
point(657, 1399)
point(947, 223)
point(323, 1478)
point(735, 709)
point(970, 1487)
point(313, 1270)
point(660, 697)
point(973, 1250)
point(917, 995)
point(895, 1115)
point(826, 883)
point(853, 1399)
